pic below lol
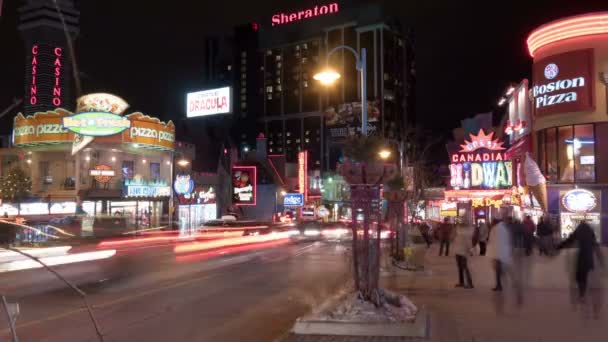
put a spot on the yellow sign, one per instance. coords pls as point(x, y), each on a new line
point(46, 128)
point(486, 202)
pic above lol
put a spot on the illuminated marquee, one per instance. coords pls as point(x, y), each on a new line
point(482, 140)
point(96, 124)
point(286, 18)
point(209, 102)
point(33, 85)
point(564, 83)
point(481, 164)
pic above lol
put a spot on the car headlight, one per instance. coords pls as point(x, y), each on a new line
point(293, 232)
point(312, 232)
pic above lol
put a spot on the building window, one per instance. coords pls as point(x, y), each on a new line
point(155, 171)
point(127, 169)
point(567, 154)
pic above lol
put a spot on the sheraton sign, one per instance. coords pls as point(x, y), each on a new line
point(286, 18)
point(564, 83)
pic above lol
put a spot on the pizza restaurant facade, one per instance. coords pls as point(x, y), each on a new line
point(570, 118)
point(96, 161)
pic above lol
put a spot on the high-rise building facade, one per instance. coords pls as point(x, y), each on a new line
point(274, 89)
point(45, 27)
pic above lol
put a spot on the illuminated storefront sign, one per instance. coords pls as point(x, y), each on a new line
point(139, 188)
point(244, 185)
point(41, 128)
point(101, 102)
point(97, 124)
point(47, 128)
point(285, 18)
point(564, 83)
point(481, 164)
point(293, 200)
point(303, 173)
point(150, 132)
point(579, 201)
point(209, 102)
point(102, 173)
point(481, 141)
point(183, 184)
point(486, 202)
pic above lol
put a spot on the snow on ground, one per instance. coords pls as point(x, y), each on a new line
point(353, 309)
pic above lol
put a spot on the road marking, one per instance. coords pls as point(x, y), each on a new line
point(113, 302)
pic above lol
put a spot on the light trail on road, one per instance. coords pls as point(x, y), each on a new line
point(25, 264)
point(206, 245)
point(230, 250)
point(174, 238)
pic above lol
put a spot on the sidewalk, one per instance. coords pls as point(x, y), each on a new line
point(480, 315)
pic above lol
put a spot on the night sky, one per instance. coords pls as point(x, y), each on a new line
point(149, 52)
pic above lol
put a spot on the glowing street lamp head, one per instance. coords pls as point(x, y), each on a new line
point(384, 154)
point(183, 162)
point(327, 77)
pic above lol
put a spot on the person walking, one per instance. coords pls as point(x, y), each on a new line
point(425, 232)
point(544, 231)
point(588, 250)
point(500, 249)
point(483, 236)
point(528, 234)
point(463, 244)
point(445, 235)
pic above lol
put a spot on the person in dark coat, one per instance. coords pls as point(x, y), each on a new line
point(544, 231)
point(588, 249)
point(445, 235)
point(528, 234)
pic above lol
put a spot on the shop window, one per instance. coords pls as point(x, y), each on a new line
point(127, 169)
point(45, 172)
point(583, 146)
point(155, 171)
point(551, 141)
point(565, 154)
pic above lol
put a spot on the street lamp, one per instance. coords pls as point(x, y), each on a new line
point(328, 77)
point(384, 154)
point(183, 162)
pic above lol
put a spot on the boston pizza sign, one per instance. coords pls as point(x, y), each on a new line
point(563, 83)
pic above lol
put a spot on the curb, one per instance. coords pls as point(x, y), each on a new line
point(419, 328)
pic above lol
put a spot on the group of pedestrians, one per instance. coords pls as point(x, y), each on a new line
point(508, 242)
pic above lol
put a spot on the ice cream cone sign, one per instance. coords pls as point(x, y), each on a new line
point(535, 181)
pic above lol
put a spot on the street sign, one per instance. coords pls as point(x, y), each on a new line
point(293, 200)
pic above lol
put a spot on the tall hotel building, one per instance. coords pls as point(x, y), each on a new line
point(276, 57)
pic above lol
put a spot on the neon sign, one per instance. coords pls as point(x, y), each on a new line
point(209, 102)
point(33, 86)
point(244, 185)
point(488, 175)
point(482, 140)
point(96, 124)
point(183, 184)
point(286, 18)
point(579, 201)
point(303, 173)
point(58, 68)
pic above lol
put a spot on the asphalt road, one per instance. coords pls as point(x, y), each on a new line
point(152, 294)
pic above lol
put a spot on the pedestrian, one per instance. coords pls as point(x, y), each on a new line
point(588, 250)
point(544, 231)
point(5, 215)
point(483, 236)
point(463, 244)
point(528, 234)
point(500, 249)
point(445, 235)
point(425, 232)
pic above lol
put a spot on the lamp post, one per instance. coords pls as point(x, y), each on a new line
point(328, 77)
